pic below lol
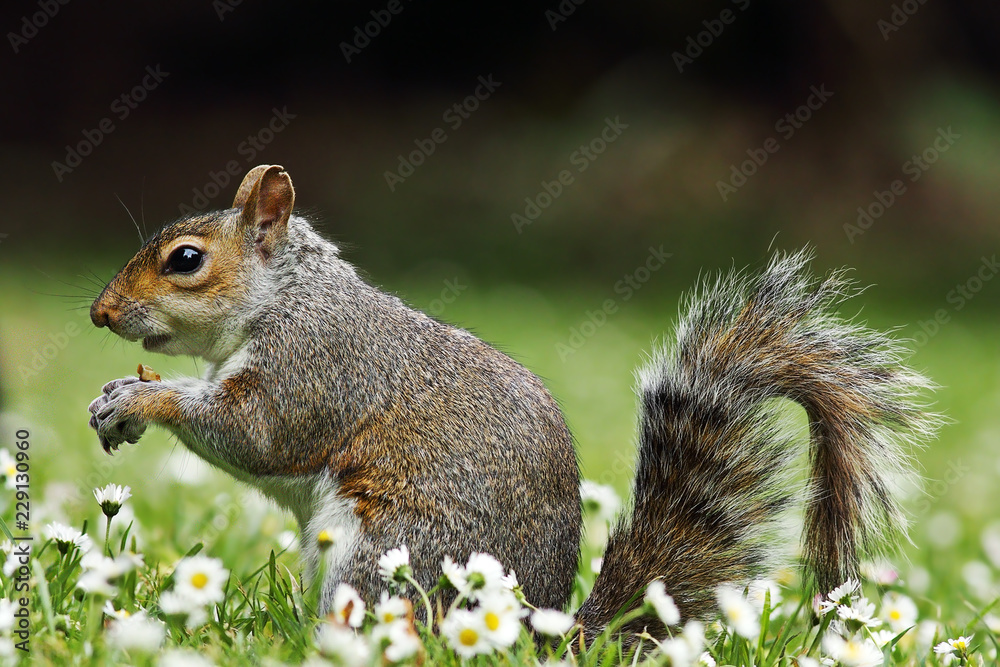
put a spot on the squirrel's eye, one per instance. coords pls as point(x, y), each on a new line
point(185, 260)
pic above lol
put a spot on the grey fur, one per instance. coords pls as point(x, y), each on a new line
point(340, 401)
point(713, 472)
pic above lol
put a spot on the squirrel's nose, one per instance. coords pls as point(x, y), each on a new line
point(99, 314)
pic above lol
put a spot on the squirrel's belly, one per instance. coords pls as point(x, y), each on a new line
point(317, 504)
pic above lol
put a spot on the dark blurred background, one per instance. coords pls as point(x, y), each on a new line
point(899, 73)
point(892, 108)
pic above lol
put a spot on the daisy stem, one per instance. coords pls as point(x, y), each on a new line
point(95, 617)
point(427, 602)
point(525, 603)
point(612, 629)
point(454, 603)
point(638, 652)
point(107, 537)
point(820, 631)
point(316, 585)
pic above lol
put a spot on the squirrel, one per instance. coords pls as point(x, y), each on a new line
point(356, 412)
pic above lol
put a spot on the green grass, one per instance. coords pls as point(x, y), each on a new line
point(267, 616)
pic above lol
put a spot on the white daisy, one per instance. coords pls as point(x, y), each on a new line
point(95, 583)
point(853, 652)
point(348, 607)
point(341, 646)
point(678, 650)
point(694, 634)
point(111, 498)
point(761, 588)
point(138, 633)
point(927, 631)
point(663, 604)
point(502, 615)
point(881, 573)
point(943, 529)
point(392, 609)
point(979, 578)
point(119, 614)
point(66, 536)
point(737, 613)
point(882, 637)
point(840, 595)
point(552, 622)
point(100, 572)
point(112, 568)
point(686, 648)
point(394, 566)
point(898, 611)
point(328, 537)
point(600, 499)
point(992, 622)
point(173, 603)
point(455, 574)
point(705, 660)
point(12, 561)
point(958, 647)
point(990, 539)
point(8, 469)
point(466, 633)
point(6, 616)
point(200, 579)
point(859, 613)
point(484, 573)
point(398, 639)
point(288, 540)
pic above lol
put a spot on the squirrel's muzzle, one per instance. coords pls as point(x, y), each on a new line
point(98, 315)
point(100, 311)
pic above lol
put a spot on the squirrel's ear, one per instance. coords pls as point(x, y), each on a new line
point(267, 206)
point(246, 186)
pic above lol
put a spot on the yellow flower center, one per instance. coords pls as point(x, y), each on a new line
point(11, 470)
point(960, 645)
point(895, 615)
point(199, 580)
point(492, 621)
point(468, 637)
point(388, 618)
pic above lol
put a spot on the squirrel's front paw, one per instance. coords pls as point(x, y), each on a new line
point(116, 413)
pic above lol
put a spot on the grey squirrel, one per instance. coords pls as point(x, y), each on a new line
point(356, 412)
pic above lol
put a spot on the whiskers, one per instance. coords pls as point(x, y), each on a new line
point(140, 232)
point(83, 294)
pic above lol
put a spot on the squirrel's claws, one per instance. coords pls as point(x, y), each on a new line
point(108, 415)
point(115, 384)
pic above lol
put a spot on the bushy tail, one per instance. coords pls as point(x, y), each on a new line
point(713, 470)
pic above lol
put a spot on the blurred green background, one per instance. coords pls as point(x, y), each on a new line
point(444, 237)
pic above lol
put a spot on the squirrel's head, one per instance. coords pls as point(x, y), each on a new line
point(183, 291)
